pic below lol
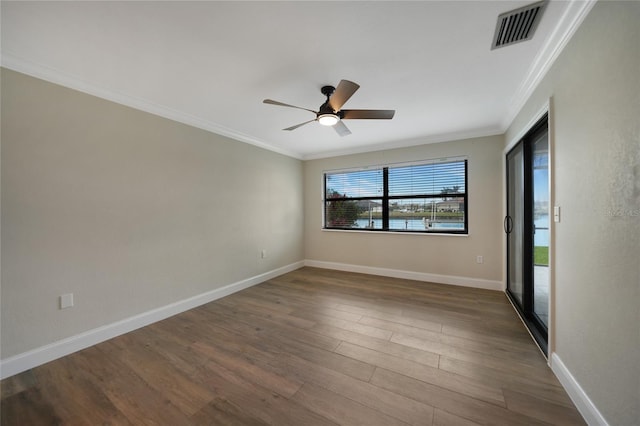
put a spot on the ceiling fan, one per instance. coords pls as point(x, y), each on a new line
point(330, 114)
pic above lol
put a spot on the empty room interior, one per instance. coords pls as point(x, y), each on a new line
point(336, 213)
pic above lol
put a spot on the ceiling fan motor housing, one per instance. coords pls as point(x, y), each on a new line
point(328, 90)
point(325, 108)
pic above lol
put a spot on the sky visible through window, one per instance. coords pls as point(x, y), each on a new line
point(364, 183)
point(429, 179)
point(410, 180)
point(425, 197)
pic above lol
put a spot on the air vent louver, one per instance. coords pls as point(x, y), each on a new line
point(517, 25)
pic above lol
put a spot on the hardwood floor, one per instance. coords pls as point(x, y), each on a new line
point(312, 347)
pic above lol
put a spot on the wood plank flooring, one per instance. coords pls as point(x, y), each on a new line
point(312, 347)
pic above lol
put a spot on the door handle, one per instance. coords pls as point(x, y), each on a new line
point(508, 224)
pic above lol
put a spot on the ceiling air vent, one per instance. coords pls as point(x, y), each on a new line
point(517, 25)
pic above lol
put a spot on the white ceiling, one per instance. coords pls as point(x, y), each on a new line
point(210, 64)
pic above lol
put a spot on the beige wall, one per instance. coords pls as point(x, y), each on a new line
point(595, 91)
point(444, 255)
point(128, 211)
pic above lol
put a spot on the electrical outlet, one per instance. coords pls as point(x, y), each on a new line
point(479, 259)
point(66, 301)
point(263, 254)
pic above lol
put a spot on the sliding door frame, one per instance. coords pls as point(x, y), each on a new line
point(545, 110)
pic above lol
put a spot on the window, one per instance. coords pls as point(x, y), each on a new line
point(426, 196)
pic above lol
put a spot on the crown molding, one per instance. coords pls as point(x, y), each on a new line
point(407, 143)
point(572, 18)
point(15, 63)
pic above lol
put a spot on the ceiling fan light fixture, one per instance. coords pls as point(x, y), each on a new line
point(328, 119)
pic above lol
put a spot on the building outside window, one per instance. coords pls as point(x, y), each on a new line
point(427, 196)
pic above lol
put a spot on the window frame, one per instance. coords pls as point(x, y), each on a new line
point(385, 199)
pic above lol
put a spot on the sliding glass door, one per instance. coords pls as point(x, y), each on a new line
point(527, 228)
point(514, 222)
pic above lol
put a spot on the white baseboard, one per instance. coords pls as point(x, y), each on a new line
point(584, 405)
point(409, 275)
point(33, 358)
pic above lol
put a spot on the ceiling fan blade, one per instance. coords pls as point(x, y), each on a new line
point(342, 94)
point(299, 125)
point(341, 128)
point(363, 114)
point(272, 102)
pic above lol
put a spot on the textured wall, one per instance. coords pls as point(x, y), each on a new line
point(595, 91)
point(128, 211)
